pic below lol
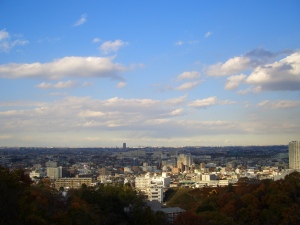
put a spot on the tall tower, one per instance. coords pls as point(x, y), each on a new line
point(294, 155)
point(124, 146)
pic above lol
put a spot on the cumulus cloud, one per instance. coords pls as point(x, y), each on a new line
point(279, 104)
point(188, 86)
point(81, 21)
point(65, 67)
point(112, 46)
point(58, 85)
point(203, 103)
point(280, 75)
point(234, 81)
point(267, 70)
point(188, 75)
point(250, 60)
point(7, 42)
point(230, 67)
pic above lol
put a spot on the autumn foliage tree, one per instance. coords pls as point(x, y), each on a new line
point(249, 202)
point(24, 204)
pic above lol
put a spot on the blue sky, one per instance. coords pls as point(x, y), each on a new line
point(149, 73)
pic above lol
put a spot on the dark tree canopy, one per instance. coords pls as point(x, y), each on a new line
point(21, 203)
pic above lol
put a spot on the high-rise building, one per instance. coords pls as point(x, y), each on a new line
point(124, 146)
point(155, 193)
point(186, 160)
point(294, 155)
point(54, 172)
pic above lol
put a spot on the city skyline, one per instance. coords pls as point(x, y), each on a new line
point(197, 73)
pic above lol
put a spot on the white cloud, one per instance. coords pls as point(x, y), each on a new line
point(72, 112)
point(254, 90)
point(208, 34)
point(89, 113)
point(188, 75)
point(58, 85)
point(7, 43)
point(234, 81)
point(176, 101)
point(72, 119)
point(96, 40)
point(4, 35)
point(281, 75)
point(279, 104)
point(71, 66)
point(231, 66)
point(112, 46)
point(203, 103)
point(176, 112)
point(121, 84)
point(265, 74)
point(81, 21)
point(188, 85)
point(179, 43)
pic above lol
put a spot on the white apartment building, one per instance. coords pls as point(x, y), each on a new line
point(33, 174)
point(54, 172)
point(294, 155)
point(155, 193)
point(144, 182)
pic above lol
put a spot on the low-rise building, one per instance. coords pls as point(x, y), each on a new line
point(72, 182)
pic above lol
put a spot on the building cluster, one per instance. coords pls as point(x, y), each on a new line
point(151, 171)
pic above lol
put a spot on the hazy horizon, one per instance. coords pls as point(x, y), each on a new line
point(193, 73)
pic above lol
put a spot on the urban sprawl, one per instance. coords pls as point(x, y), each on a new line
point(151, 171)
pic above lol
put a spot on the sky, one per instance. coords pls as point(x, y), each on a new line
point(94, 73)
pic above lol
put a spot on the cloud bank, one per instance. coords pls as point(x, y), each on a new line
point(281, 75)
point(71, 66)
point(265, 73)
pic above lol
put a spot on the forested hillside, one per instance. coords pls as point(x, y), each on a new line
point(248, 202)
point(22, 203)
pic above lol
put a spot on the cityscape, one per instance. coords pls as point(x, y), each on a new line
point(149, 112)
point(153, 171)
